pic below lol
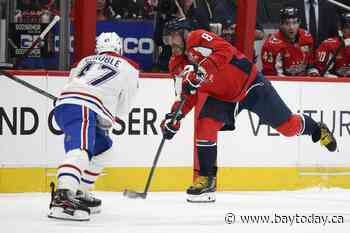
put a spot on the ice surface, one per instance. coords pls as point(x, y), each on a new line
point(170, 213)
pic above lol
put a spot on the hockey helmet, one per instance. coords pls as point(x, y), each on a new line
point(345, 20)
point(173, 25)
point(176, 24)
point(109, 42)
point(289, 13)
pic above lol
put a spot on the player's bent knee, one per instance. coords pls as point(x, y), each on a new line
point(78, 157)
point(207, 129)
point(291, 127)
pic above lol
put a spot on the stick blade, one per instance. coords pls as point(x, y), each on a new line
point(133, 194)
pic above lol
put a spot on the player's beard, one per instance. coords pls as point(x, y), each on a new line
point(290, 35)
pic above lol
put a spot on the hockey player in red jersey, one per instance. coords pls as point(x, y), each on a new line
point(288, 52)
point(213, 66)
point(333, 55)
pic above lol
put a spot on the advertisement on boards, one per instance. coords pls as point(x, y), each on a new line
point(30, 136)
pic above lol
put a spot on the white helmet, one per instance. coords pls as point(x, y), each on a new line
point(109, 42)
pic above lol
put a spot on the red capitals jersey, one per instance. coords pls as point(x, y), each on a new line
point(177, 64)
point(325, 53)
point(229, 72)
point(281, 57)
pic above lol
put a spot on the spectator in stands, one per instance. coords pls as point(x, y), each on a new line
point(197, 11)
point(28, 5)
point(224, 13)
point(229, 31)
point(288, 52)
point(27, 11)
point(319, 17)
point(128, 9)
point(103, 10)
point(333, 55)
point(149, 9)
point(52, 7)
point(35, 11)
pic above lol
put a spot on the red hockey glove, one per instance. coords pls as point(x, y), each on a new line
point(193, 78)
point(169, 129)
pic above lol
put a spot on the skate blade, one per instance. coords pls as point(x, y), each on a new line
point(203, 198)
point(57, 213)
point(95, 210)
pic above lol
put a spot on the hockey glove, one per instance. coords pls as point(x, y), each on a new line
point(169, 129)
point(193, 77)
point(313, 72)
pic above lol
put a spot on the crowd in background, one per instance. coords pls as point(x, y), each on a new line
point(218, 16)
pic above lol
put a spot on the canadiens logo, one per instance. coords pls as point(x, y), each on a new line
point(305, 48)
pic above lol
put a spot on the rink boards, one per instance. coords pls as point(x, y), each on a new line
point(253, 157)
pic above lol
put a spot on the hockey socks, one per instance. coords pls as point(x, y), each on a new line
point(88, 179)
point(71, 170)
point(311, 127)
point(207, 155)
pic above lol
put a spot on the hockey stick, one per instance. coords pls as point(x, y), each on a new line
point(26, 84)
point(133, 194)
point(341, 5)
point(38, 40)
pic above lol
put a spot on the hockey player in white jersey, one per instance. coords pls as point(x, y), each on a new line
point(100, 90)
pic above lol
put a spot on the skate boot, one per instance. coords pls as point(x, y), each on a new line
point(326, 137)
point(87, 199)
point(65, 206)
point(202, 190)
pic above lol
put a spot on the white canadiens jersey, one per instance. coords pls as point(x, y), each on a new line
point(104, 83)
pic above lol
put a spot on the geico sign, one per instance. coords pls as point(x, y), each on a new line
point(27, 40)
point(131, 45)
point(134, 45)
point(57, 44)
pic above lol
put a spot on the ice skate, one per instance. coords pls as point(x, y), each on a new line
point(326, 138)
point(87, 199)
point(65, 206)
point(203, 190)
